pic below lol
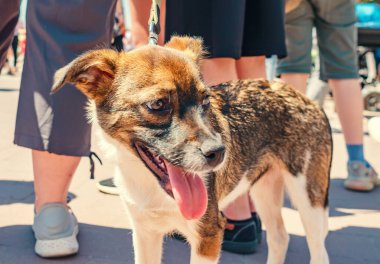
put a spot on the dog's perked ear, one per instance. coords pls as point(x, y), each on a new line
point(191, 46)
point(92, 73)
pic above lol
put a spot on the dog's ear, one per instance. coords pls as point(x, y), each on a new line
point(193, 47)
point(92, 73)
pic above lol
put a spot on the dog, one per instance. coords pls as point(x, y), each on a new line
point(184, 150)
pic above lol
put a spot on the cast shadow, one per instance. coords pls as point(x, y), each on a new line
point(9, 90)
point(343, 201)
point(107, 245)
point(19, 192)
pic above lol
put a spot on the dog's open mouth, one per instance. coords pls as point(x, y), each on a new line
point(187, 189)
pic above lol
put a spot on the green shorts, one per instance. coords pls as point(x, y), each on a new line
point(334, 21)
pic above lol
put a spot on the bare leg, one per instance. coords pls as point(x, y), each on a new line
point(139, 18)
point(251, 67)
point(297, 80)
point(218, 70)
point(52, 176)
point(246, 68)
point(349, 105)
point(239, 209)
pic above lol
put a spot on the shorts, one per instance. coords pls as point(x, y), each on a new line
point(337, 39)
point(57, 33)
point(230, 29)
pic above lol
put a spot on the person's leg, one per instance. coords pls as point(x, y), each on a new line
point(295, 68)
point(246, 68)
point(243, 231)
point(10, 62)
point(139, 21)
point(349, 105)
point(239, 209)
point(297, 80)
point(251, 67)
point(57, 134)
point(337, 41)
point(52, 176)
point(215, 71)
point(15, 50)
point(218, 70)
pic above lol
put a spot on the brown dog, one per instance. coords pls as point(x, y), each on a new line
point(184, 150)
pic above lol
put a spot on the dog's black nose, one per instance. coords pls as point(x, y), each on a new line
point(214, 154)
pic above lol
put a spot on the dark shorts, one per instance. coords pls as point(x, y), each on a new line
point(334, 21)
point(230, 28)
point(58, 31)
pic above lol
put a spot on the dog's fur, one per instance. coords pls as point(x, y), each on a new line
point(274, 137)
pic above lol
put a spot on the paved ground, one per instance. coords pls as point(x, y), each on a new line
point(105, 238)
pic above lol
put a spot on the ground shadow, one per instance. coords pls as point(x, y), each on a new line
point(9, 90)
point(98, 245)
point(106, 245)
point(19, 192)
point(341, 198)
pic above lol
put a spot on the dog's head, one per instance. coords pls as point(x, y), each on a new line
point(154, 102)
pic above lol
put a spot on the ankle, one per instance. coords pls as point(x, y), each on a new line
point(355, 152)
point(240, 216)
point(38, 204)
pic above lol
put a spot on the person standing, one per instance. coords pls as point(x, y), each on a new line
point(237, 35)
point(54, 127)
point(337, 37)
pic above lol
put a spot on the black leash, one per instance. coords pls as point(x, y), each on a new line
point(92, 164)
point(154, 22)
point(154, 30)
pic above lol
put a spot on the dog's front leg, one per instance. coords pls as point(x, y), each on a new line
point(206, 250)
point(147, 246)
point(147, 243)
point(206, 247)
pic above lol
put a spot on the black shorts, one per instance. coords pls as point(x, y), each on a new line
point(230, 28)
point(57, 34)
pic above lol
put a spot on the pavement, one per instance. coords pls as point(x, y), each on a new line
point(105, 237)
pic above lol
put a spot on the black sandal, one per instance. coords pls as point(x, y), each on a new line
point(242, 237)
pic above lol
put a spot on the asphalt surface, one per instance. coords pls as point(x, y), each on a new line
point(104, 237)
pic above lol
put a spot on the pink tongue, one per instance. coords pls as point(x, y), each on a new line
point(189, 192)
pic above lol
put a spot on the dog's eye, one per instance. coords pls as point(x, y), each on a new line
point(206, 101)
point(159, 105)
